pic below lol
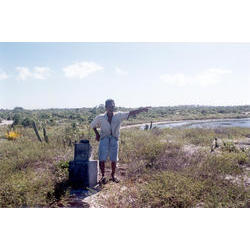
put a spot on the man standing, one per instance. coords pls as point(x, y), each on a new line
point(109, 124)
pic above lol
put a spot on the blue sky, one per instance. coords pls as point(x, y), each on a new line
point(70, 75)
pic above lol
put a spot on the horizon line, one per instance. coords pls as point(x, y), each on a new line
point(179, 105)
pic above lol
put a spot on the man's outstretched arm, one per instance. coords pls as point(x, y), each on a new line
point(137, 111)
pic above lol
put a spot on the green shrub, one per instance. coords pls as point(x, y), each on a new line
point(171, 189)
point(176, 189)
point(26, 189)
point(151, 152)
point(63, 164)
point(27, 122)
point(224, 164)
point(33, 174)
point(229, 147)
point(202, 137)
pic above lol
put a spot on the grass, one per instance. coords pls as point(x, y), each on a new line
point(31, 171)
point(160, 172)
point(175, 189)
point(163, 174)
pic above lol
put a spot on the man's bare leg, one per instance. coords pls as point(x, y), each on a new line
point(102, 168)
point(113, 166)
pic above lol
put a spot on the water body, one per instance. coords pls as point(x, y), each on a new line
point(243, 123)
point(6, 122)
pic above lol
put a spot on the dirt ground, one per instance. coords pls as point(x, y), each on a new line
point(93, 197)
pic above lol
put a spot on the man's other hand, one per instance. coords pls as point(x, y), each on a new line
point(97, 137)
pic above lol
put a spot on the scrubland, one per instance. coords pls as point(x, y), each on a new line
point(162, 167)
point(176, 168)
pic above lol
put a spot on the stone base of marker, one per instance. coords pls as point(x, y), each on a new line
point(83, 174)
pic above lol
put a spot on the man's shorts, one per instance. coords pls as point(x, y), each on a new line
point(108, 146)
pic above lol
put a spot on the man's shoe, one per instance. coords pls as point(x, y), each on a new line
point(114, 179)
point(103, 180)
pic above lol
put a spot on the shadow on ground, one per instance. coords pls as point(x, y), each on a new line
point(77, 196)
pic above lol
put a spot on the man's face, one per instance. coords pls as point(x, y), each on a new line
point(110, 107)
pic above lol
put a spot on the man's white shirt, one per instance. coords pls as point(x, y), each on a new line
point(107, 129)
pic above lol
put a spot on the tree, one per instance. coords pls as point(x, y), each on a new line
point(27, 122)
point(16, 119)
point(17, 109)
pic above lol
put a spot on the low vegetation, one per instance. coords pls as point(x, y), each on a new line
point(34, 173)
point(164, 174)
point(53, 117)
point(164, 167)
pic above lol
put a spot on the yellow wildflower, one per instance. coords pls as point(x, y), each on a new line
point(12, 135)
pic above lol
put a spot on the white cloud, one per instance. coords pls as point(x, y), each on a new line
point(41, 72)
point(37, 73)
point(119, 71)
point(204, 78)
point(81, 69)
point(3, 75)
point(24, 73)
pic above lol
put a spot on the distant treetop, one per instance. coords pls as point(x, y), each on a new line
point(18, 109)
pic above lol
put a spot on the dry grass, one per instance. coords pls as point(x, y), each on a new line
point(161, 171)
point(163, 174)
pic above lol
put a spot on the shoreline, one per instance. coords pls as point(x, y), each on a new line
point(180, 121)
point(9, 122)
